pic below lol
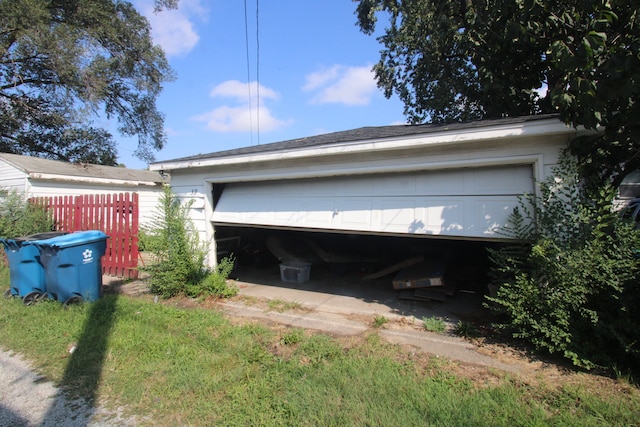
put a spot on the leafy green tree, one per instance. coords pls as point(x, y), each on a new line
point(476, 59)
point(65, 63)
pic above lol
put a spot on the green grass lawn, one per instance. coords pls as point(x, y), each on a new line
point(195, 367)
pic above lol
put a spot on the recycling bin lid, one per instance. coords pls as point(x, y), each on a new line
point(72, 239)
point(40, 236)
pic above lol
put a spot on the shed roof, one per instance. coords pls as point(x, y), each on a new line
point(359, 134)
point(37, 167)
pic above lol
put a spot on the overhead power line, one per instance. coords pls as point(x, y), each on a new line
point(246, 41)
point(258, 67)
point(246, 36)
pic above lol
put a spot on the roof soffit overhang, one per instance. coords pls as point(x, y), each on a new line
point(506, 132)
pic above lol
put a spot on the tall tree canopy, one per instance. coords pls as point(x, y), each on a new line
point(474, 59)
point(65, 63)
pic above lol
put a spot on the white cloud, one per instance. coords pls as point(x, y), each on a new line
point(240, 119)
point(241, 91)
point(174, 30)
point(320, 78)
point(341, 85)
point(246, 117)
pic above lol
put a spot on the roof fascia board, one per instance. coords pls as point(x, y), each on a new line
point(458, 136)
point(91, 180)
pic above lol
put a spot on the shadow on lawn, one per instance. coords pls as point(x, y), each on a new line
point(82, 374)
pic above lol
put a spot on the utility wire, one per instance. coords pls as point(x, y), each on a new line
point(258, 66)
point(246, 39)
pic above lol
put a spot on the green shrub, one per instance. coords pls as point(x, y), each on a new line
point(215, 283)
point(178, 254)
point(570, 285)
point(18, 217)
point(178, 264)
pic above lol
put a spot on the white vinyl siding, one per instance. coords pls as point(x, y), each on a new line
point(12, 178)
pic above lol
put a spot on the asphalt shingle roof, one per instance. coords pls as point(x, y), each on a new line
point(35, 165)
point(360, 134)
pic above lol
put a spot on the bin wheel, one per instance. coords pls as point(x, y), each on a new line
point(32, 298)
point(73, 300)
point(7, 293)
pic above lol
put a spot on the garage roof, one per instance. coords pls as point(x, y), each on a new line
point(39, 168)
point(355, 135)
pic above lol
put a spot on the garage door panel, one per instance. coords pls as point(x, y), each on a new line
point(464, 202)
point(316, 213)
point(511, 180)
point(287, 212)
point(397, 216)
point(390, 186)
point(485, 216)
point(256, 216)
point(234, 208)
point(441, 183)
point(354, 213)
point(445, 215)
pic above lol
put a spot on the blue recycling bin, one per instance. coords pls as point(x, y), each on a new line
point(73, 266)
point(26, 272)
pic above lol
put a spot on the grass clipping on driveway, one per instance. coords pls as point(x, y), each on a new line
point(194, 367)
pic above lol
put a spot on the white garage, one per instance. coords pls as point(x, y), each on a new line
point(458, 181)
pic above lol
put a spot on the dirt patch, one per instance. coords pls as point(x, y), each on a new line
point(123, 286)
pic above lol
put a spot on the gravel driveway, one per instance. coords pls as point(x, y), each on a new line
point(27, 399)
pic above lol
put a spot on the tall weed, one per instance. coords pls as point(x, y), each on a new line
point(178, 265)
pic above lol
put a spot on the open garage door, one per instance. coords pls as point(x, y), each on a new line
point(464, 202)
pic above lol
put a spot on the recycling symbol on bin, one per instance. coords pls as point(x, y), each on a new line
point(87, 256)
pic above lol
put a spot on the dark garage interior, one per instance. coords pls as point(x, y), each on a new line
point(407, 273)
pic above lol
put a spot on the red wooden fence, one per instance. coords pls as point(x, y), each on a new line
point(114, 214)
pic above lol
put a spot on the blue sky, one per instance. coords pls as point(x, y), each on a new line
point(314, 74)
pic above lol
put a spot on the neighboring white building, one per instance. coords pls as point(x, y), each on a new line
point(456, 181)
point(36, 177)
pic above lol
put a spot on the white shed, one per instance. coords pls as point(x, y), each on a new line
point(456, 181)
point(37, 177)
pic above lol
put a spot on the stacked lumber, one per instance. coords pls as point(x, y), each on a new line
point(423, 282)
point(418, 279)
